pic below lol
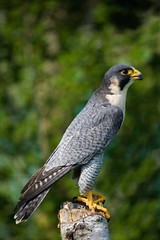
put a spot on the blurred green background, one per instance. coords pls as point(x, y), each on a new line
point(53, 55)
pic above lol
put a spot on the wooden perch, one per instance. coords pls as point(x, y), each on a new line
point(76, 222)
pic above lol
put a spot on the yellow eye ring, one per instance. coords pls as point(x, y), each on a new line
point(126, 71)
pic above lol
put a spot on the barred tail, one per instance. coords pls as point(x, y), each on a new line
point(36, 189)
point(24, 211)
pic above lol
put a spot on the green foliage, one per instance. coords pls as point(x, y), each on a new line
point(53, 55)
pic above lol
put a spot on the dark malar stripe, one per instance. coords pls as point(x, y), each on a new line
point(124, 82)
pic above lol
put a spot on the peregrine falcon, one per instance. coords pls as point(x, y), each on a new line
point(83, 144)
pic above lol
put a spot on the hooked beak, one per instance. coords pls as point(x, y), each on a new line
point(136, 75)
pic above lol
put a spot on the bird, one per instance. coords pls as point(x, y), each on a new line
point(83, 144)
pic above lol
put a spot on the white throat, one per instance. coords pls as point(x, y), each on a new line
point(117, 96)
point(118, 100)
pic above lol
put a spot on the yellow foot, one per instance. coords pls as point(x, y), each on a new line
point(94, 201)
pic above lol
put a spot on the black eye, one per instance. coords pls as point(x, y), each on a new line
point(125, 72)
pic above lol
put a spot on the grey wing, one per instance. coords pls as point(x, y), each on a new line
point(88, 135)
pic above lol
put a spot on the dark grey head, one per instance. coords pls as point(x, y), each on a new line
point(121, 76)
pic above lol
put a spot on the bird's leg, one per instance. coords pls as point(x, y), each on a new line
point(98, 197)
point(87, 199)
point(92, 200)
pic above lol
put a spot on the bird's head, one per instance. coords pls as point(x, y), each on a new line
point(120, 77)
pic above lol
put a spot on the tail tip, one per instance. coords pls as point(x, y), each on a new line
point(18, 219)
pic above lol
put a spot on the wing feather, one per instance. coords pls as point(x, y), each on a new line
point(88, 135)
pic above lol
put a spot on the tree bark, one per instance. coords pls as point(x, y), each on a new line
point(76, 222)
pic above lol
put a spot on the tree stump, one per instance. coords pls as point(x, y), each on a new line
point(77, 222)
